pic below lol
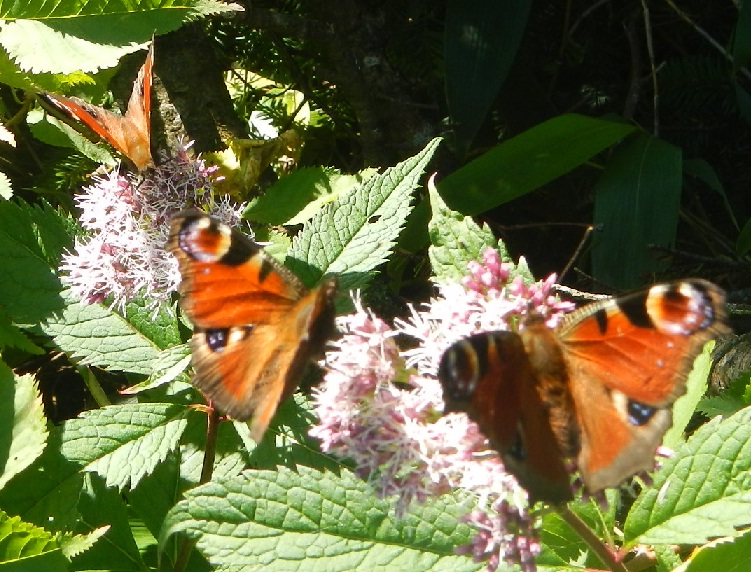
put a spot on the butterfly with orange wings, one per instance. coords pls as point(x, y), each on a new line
point(130, 134)
point(256, 327)
point(598, 389)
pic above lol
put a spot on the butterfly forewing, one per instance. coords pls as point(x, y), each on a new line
point(644, 344)
point(238, 283)
point(489, 377)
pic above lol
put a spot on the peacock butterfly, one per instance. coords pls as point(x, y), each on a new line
point(256, 326)
point(130, 134)
point(598, 389)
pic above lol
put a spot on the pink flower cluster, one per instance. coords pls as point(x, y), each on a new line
point(126, 220)
point(382, 407)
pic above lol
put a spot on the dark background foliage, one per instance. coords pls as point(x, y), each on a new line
point(377, 72)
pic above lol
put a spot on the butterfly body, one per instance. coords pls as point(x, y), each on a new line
point(598, 389)
point(256, 326)
point(130, 134)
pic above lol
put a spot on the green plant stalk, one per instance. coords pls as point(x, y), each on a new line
point(602, 551)
point(212, 432)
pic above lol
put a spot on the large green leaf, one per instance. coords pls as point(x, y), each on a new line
point(704, 492)
point(455, 239)
point(72, 35)
point(94, 335)
point(313, 520)
point(296, 197)
point(31, 241)
point(26, 548)
point(685, 407)
point(722, 554)
point(101, 506)
point(528, 161)
point(636, 206)
point(481, 39)
point(122, 443)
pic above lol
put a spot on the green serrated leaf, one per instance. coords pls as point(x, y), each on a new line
point(455, 240)
point(562, 546)
point(31, 241)
point(354, 235)
point(23, 426)
point(155, 494)
point(168, 366)
point(6, 187)
point(230, 460)
point(666, 558)
point(696, 387)
point(702, 493)
point(160, 325)
point(287, 441)
point(123, 443)
point(335, 523)
point(65, 53)
point(13, 337)
point(723, 405)
point(337, 185)
point(68, 36)
point(11, 75)
point(726, 554)
point(73, 545)
point(28, 548)
point(296, 197)
point(95, 335)
point(101, 506)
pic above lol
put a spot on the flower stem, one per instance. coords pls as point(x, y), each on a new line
point(602, 551)
point(212, 431)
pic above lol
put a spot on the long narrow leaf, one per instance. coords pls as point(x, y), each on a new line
point(528, 161)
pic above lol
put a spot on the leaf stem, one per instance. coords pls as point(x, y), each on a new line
point(92, 384)
point(602, 551)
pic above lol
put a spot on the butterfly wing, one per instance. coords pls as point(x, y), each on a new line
point(256, 325)
point(628, 359)
point(489, 376)
point(130, 134)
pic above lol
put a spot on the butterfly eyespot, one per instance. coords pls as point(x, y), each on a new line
point(639, 414)
point(680, 309)
point(205, 240)
point(216, 339)
point(460, 371)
